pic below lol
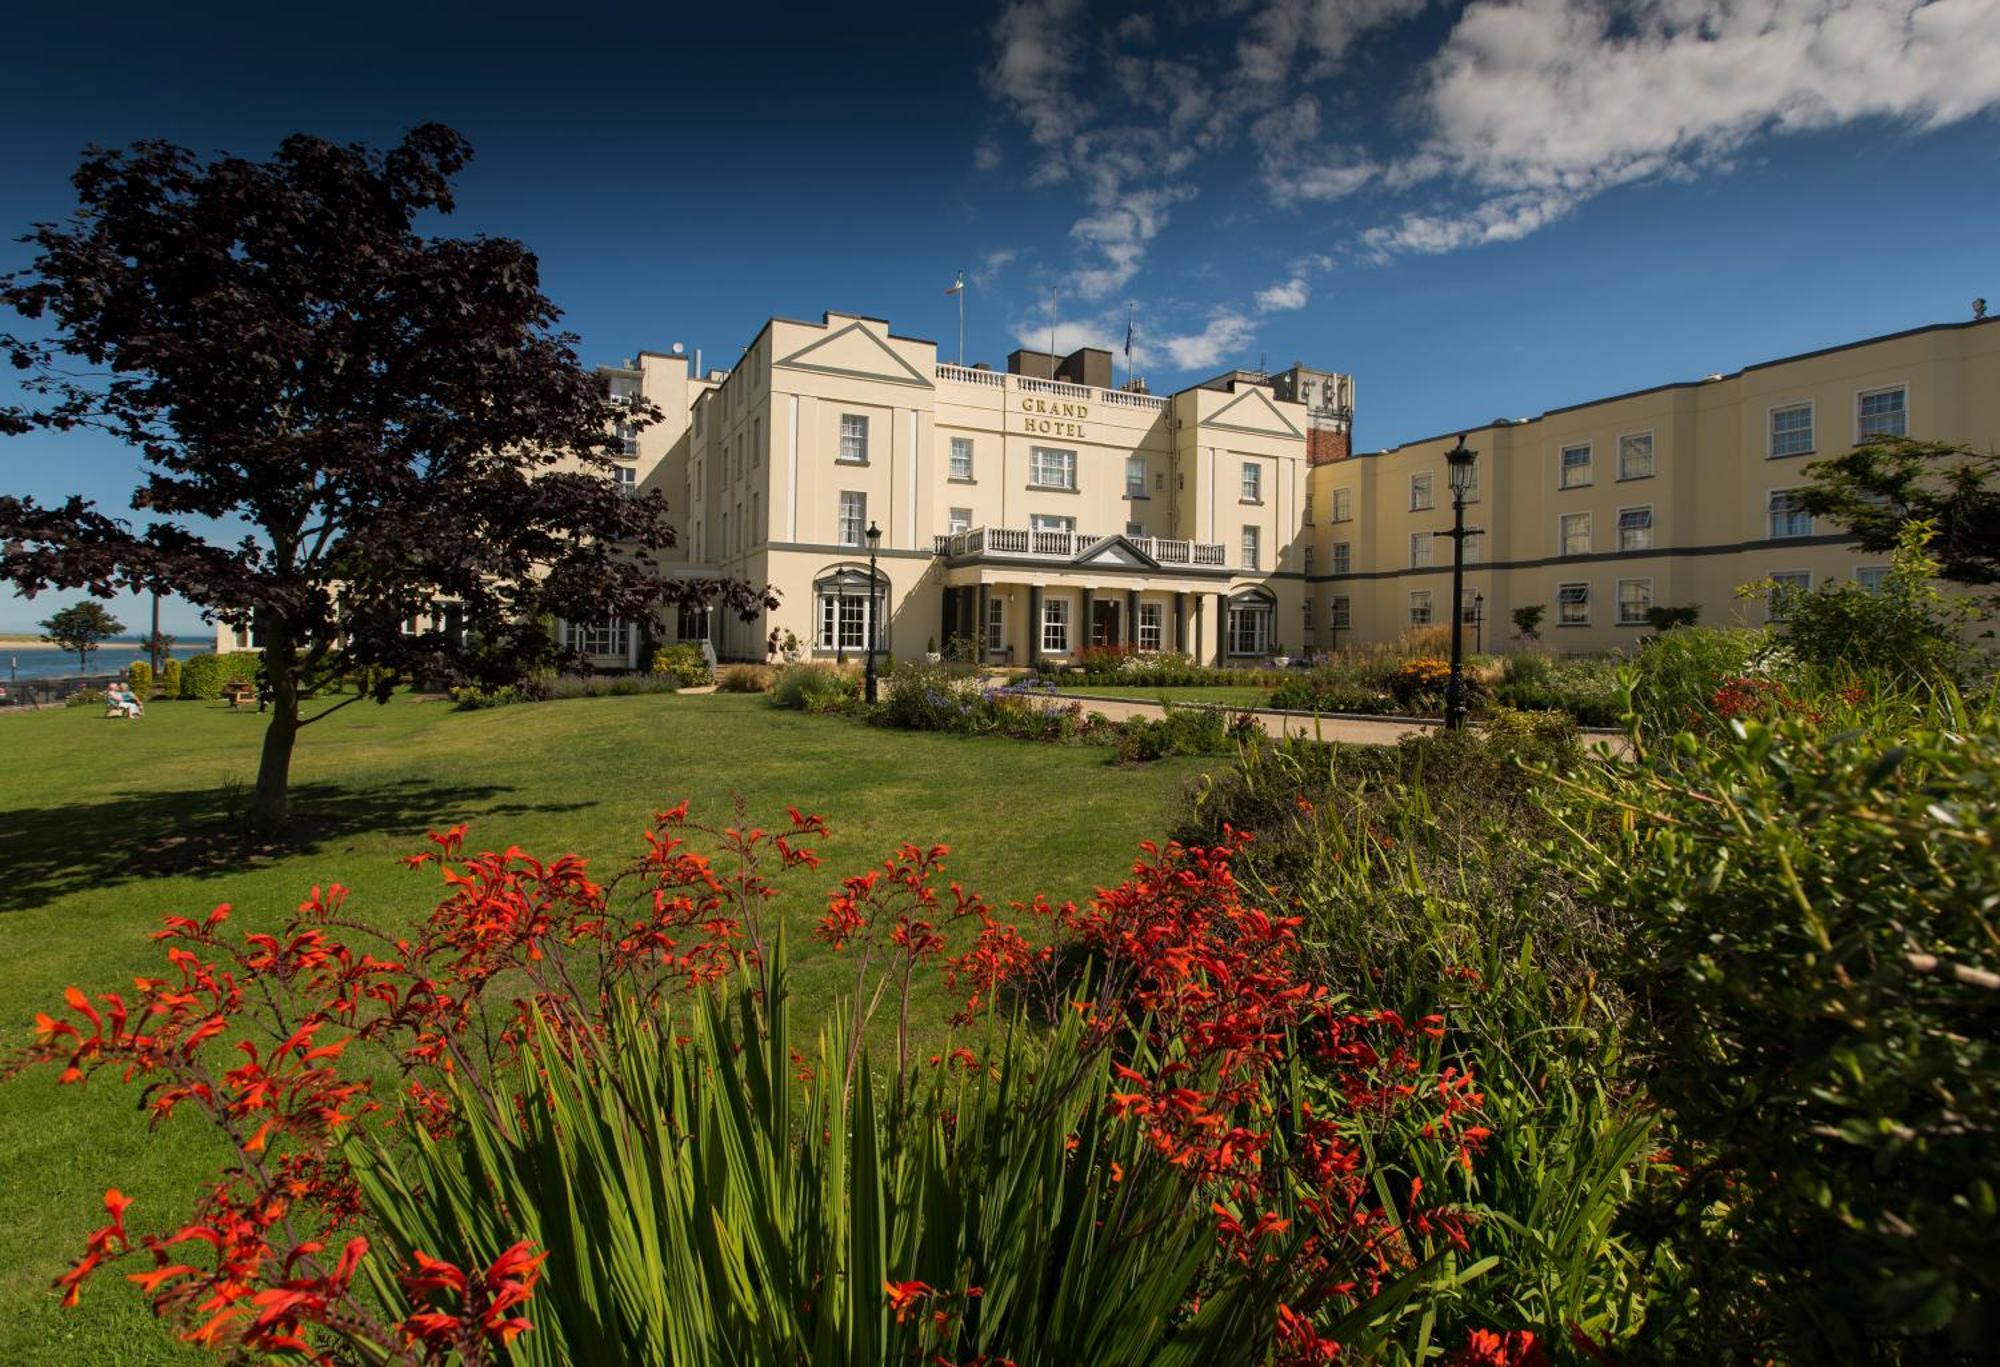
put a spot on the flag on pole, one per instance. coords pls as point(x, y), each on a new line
point(957, 285)
point(1128, 337)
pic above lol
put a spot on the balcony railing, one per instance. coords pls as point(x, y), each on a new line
point(1059, 545)
point(1028, 384)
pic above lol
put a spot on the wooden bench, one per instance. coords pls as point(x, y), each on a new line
point(240, 693)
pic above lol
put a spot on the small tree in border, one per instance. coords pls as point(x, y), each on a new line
point(1662, 618)
point(79, 627)
point(1887, 482)
point(393, 414)
point(1528, 621)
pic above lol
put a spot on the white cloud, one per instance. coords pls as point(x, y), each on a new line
point(1547, 103)
point(1038, 51)
point(1105, 332)
point(1226, 334)
point(987, 272)
point(1285, 295)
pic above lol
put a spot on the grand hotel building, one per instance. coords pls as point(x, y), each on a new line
point(1037, 509)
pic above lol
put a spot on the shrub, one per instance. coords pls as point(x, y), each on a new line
point(1662, 618)
point(1816, 891)
point(686, 664)
point(610, 1148)
point(1675, 674)
point(1586, 689)
point(170, 678)
point(84, 697)
point(927, 697)
point(1907, 630)
point(1332, 687)
point(815, 687)
point(745, 679)
point(139, 674)
point(205, 676)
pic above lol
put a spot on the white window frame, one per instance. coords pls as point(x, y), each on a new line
point(1253, 548)
point(1780, 587)
point(1647, 543)
point(626, 477)
point(1578, 601)
point(1475, 545)
point(1771, 498)
point(959, 520)
point(1563, 521)
point(996, 623)
point(1588, 465)
point(1043, 460)
point(1421, 611)
point(1343, 506)
point(1307, 517)
point(858, 499)
point(961, 459)
point(1626, 619)
point(1421, 556)
point(1309, 562)
point(1340, 612)
point(853, 448)
point(1861, 395)
point(1871, 577)
point(1249, 627)
point(1152, 626)
point(1771, 451)
point(1343, 557)
point(1135, 477)
point(843, 621)
point(1135, 530)
point(1253, 481)
point(1652, 455)
point(1055, 626)
point(1051, 522)
point(600, 639)
point(1423, 491)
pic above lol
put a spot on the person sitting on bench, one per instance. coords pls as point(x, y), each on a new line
point(120, 701)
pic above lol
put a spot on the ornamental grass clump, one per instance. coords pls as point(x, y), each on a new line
point(1153, 1139)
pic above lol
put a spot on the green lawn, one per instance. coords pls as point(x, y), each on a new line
point(100, 826)
point(1228, 695)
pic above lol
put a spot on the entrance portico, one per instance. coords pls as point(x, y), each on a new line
point(1046, 601)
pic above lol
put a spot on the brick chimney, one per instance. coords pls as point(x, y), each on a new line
point(1325, 445)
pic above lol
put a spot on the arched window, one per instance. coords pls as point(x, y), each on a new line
point(1250, 622)
point(845, 610)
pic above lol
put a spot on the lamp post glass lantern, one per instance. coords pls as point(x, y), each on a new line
point(874, 535)
point(1459, 462)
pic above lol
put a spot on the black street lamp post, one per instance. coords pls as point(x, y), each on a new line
point(874, 609)
point(1459, 461)
point(1478, 623)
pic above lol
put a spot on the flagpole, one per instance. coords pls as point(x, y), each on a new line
point(961, 320)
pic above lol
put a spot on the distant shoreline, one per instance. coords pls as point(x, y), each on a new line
point(10, 642)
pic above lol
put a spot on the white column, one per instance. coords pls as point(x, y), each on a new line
point(792, 469)
point(915, 465)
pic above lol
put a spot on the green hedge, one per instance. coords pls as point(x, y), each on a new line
point(204, 676)
point(140, 675)
point(170, 677)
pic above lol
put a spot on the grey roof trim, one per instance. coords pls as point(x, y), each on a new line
point(1097, 547)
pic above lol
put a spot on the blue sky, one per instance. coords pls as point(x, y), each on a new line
point(1479, 209)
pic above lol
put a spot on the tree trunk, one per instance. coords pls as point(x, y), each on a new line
point(274, 770)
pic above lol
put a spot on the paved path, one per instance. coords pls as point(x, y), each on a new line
point(1346, 728)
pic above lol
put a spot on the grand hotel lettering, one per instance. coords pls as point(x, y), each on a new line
point(1053, 417)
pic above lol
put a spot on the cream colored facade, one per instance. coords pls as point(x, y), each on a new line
point(1036, 515)
point(1672, 496)
point(1030, 516)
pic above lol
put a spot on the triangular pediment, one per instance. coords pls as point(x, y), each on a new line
point(1252, 411)
point(1116, 550)
point(856, 352)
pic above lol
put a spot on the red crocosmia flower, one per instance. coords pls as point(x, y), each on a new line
point(904, 1297)
point(1486, 1348)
